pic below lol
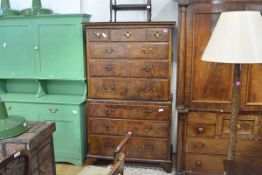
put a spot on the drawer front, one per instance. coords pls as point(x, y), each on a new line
point(142, 148)
point(247, 126)
point(132, 50)
point(249, 148)
point(132, 89)
point(201, 130)
point(205, 163)
point(128, 68)
point(53, 109)
point(202, 118)
point(138, 128)
point(206, 145)
point(128, 35)
point(128, 111)
point(98, 35)
point(160, 34)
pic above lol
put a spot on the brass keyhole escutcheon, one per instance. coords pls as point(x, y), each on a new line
point(157, 34)
point(128, 34)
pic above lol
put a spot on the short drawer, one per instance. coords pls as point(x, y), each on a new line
point(204, 163)
point(128, 68)
point(143, 148)
point(201, 130)
point(247, 126)
point(202, 118)
point(53, 109)
point(129, 88)
point(137, 127)
point(158, 34)
point(97, 35)
point(131, 50)
point(128, 111)
point(128, 34)
point(206, 145)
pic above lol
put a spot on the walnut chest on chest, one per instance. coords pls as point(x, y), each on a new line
point(129, 70)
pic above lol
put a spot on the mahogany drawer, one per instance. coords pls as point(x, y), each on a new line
point(129, 88)
point(130, 50)
point(98, 35)
point(139, 128)
point(128, 68)
point(202, 118)
point(128, 111)
point(206, 145)
point(158, 34)
point(200, 130)
point(143, 148)
point(204, 163)
point(128, 34)
point(247, 126)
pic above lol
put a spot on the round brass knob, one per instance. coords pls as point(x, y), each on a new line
point(198, 163)
point(200, 130)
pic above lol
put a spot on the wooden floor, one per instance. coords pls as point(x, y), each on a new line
point(67, 169)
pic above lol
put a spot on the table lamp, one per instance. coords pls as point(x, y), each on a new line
point(36, 9)
point(236, 39)
point(10, 125)
point(5, 9)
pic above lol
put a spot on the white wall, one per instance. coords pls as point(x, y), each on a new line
point(162, 10)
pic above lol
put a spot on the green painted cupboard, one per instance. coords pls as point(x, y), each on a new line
point(42, 76)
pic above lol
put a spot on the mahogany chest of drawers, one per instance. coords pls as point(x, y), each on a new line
point(129, 70)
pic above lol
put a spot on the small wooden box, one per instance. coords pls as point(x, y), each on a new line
point(38, 140)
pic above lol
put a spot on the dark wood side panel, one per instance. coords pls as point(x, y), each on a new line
point(209, 85)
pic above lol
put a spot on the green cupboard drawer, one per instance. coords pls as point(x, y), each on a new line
point(59, 110)
point(28, 111)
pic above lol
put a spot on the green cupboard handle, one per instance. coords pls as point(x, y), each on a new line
point(4, 45)
point(53, 110)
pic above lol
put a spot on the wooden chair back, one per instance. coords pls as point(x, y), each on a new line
point(17, 163)
point(119, 157)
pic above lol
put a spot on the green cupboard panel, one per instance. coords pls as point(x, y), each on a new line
point(60, 52)
point(16, 50)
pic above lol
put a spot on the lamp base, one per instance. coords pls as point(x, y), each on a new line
point(9, 12)
point(12, 126)
point(36, 11)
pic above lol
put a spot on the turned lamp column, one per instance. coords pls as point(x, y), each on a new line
point(236, 39)
point(5, 9)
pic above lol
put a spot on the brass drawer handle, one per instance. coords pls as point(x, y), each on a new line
point(149, 147)
point(98, 34)
point(148, 68)
point(199, 145)
point(109, 67)
point(146, 111)
point(128, 34)
point(147, 50)
point(200, 130)
point(110, 51)
point(148, 88)
point(148, 129)
point(239, 126)
point(198, 163)
point(110, 109)
point(53, 110)
point(157, 34)
point(109, 89)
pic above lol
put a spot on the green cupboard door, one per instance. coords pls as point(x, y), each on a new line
point(16, 50)
point(66, 138)
point(60, 51)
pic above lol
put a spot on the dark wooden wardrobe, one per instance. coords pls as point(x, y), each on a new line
point(204, 93)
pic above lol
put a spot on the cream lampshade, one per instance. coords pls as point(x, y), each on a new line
point(237, 38)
